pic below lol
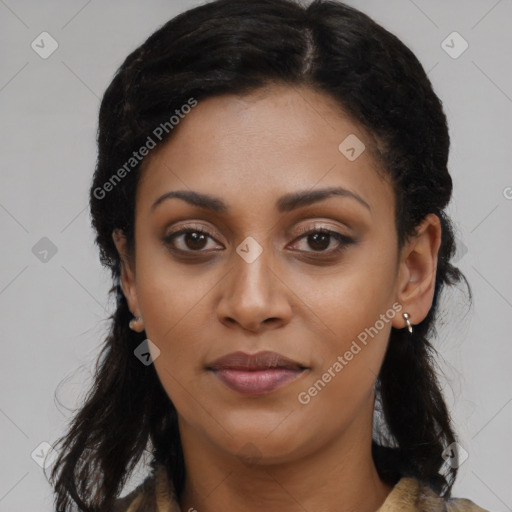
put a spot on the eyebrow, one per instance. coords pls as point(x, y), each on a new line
point(284, 204)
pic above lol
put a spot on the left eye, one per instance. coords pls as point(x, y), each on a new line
point(319, 240)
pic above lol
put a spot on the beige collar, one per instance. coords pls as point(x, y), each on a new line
point(403, 496)
point(408, 495)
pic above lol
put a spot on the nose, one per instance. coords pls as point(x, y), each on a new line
point(254, 296)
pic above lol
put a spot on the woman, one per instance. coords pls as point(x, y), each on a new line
point(270, 197)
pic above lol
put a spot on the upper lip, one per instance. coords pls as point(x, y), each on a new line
point(251, 362)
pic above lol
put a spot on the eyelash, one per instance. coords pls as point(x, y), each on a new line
point(344, 241)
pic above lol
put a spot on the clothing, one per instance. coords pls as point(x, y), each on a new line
point(155, 494)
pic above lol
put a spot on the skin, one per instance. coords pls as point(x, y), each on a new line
point(271, 452)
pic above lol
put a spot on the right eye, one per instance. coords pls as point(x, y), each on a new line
point(188, 240)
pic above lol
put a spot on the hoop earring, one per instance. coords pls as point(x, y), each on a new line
point(136, 324)
point(409, 326)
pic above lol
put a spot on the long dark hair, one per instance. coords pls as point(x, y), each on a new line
point(238, 46)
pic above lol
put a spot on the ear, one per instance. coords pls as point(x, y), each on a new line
point(127, 272)
point(417, 272)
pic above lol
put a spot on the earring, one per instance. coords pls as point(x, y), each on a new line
point(409, 326)
point(136, 324)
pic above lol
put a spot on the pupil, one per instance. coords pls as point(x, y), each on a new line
point(197, 240)
point(324, 237)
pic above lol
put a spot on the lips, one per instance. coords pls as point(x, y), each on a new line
point(255, 374)
point(254, 362)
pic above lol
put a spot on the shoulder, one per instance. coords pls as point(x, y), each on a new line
point(411, 495)
point(155, 493)
point(462, 505)
point(450, 504)
point(142, 495)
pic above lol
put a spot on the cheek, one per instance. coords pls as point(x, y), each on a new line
point(344, 303)
point(352, 314)
point(171, 296)
point(174, 307)
point(350, 353)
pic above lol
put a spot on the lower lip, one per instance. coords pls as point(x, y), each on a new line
point(256, 382)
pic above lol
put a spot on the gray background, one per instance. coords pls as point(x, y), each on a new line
point(53, 306)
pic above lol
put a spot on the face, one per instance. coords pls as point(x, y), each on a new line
point(254, 254)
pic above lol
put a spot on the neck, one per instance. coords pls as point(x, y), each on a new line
point(341, 476)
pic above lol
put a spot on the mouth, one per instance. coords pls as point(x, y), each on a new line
point(256, 374)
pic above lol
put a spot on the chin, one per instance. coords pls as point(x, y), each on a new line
point(259, 441)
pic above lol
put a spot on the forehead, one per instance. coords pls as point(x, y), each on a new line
point(251, 149)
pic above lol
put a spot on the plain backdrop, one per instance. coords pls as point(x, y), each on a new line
point(54, 292)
